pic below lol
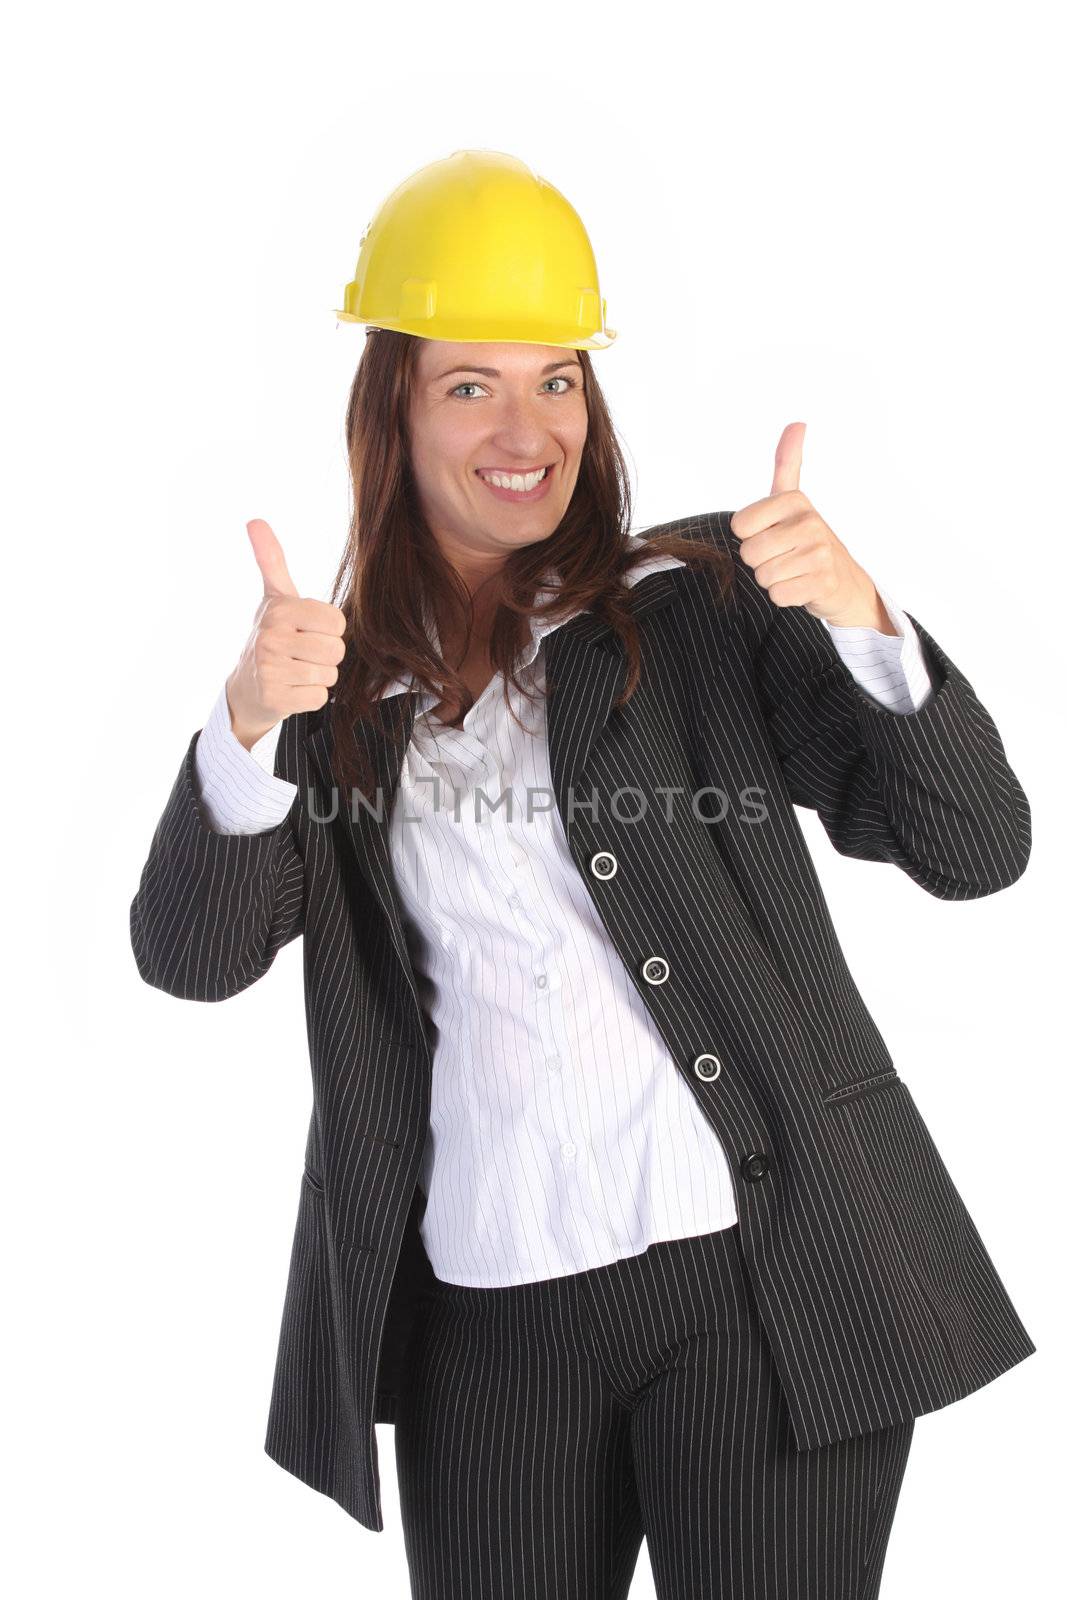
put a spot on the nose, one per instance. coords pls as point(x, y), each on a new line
point(520, 434)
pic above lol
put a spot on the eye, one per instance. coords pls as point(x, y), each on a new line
point(559, 378)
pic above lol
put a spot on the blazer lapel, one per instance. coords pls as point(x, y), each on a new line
point(585, 662)
point(364, 820)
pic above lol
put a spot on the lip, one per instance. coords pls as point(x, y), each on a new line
point(517, 496)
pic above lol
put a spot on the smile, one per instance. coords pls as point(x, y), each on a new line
point(513, 486)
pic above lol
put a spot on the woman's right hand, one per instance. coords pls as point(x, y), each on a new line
point(292, 654)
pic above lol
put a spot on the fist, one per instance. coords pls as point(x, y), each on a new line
point(292, 654)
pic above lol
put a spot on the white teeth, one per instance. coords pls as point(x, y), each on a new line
point(523, 482)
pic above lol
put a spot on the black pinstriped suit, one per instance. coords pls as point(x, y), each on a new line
point(877, 1296)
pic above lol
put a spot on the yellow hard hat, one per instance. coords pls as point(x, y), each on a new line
point(477, 247)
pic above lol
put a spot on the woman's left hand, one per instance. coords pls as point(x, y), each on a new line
point(797, 557)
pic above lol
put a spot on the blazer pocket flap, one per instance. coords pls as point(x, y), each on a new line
point(869, 1085)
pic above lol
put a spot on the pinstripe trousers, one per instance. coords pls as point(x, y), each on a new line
point(549, 1427)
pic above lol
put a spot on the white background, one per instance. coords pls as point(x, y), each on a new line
point(838, 214)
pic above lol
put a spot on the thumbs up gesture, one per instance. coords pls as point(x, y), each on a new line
point(797, 557)
point(292, 654)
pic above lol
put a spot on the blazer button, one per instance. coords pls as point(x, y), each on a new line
point(707, 1067)
point(755, 1167)
point(603, 864)
point(655, 970)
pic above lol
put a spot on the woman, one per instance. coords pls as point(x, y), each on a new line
point(614, 1202)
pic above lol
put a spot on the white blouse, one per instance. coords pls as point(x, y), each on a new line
point(538, 1163)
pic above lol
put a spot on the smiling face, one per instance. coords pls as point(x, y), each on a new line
point(516, 408)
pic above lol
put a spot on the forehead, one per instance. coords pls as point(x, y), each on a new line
point(437, 357)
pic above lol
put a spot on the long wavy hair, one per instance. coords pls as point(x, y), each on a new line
point(393, 574)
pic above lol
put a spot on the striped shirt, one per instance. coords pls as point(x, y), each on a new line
point(561, 1137)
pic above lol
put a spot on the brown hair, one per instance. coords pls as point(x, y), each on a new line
point(393, 574)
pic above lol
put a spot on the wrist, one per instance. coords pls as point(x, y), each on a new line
point(244, 734)
point(867, 612)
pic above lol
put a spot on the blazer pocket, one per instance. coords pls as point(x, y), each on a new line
point(852, 1091)
point(317, 1189)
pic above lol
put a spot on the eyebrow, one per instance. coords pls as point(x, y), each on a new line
point(491, 372)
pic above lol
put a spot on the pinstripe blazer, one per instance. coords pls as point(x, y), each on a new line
point(878, 1297)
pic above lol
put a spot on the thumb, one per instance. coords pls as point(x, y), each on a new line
point(787, 458)
point(270, 559)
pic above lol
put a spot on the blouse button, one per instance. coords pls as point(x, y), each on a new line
point(604, 864)
point(707, 1067)
point(655, 970)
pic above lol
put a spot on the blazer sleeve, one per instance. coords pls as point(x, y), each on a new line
point(212, 909)
point(930, 789)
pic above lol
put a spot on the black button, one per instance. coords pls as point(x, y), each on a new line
point(755, 1167)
